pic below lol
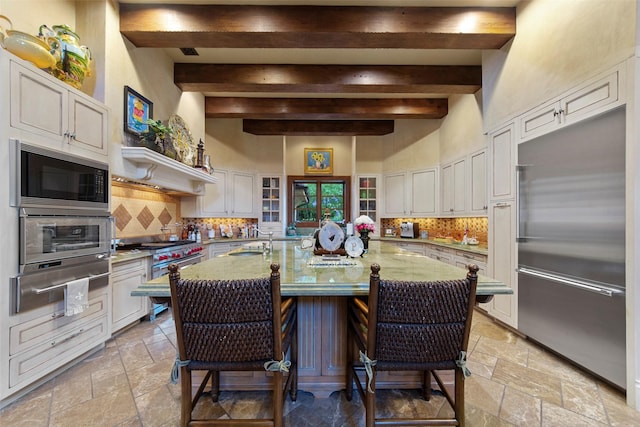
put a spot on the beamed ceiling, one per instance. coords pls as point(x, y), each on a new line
point(323, 69)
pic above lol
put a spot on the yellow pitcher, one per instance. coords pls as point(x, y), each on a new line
point(74, 60)
point(26, 46)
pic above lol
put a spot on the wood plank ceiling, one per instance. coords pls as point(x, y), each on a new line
point(345, 98)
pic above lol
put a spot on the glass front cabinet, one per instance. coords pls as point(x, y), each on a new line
point(271, 215)
point(368, 196)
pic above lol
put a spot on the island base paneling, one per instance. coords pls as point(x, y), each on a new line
point(321, 354)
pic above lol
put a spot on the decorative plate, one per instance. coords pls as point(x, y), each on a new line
point(182, 139)
point(331, 236)
point(354, 246)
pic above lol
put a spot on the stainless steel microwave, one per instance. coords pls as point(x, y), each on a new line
point(46, 178)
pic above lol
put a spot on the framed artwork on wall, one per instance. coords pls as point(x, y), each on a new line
point(318, 161)
point(137, 110)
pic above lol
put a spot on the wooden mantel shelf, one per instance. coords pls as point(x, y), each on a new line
point(156, 169)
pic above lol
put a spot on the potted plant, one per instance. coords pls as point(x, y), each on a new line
point(158, 137)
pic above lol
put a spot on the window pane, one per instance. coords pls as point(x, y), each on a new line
point(333, 199)
point(304, 202)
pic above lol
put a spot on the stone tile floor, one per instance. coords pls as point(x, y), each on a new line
point(514, 383)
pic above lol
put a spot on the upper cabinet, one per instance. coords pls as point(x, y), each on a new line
point(271, 195)
point(368, 196)
point(51, 112)
point(395, 194)
point(231, 195)
point(412, 193)
point(502, 161)
point(463, 186)
point(478, 184)
point(424, 187)
point(593, 98)
point(453, 190)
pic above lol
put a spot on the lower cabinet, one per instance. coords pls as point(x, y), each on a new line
point(463, 259)
point(125, 277)
point(48, 340)
point(440, 253)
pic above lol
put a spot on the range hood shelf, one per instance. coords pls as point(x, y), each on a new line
point(151, 168)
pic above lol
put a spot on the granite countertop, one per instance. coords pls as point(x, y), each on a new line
point(477, 249)
point(300, 278)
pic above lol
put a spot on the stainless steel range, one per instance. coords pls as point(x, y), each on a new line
point(181, 252)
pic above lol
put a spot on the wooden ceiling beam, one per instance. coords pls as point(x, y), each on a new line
point(325, 108)
point(245, 26)
point(425, 79)
point(318, 127)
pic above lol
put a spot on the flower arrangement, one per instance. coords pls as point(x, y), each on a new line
point(364, 223)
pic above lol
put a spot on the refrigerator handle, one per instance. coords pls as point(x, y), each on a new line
point(609, 292)
point(519, 169)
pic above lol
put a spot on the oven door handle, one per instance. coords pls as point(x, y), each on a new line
point(51, 288)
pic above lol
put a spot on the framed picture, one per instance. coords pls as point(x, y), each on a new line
point(137, 110)
point(318, 161)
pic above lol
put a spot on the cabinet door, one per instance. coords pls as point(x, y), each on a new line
point(502, 163)
point(502, 260)
point(394, 194)
point(242, 194)
point(459, 186)
point(540, 120)
point(38, 105)
point(88, 122)
point(478, 195)
point(214, 200)
point(125, 278)
point(590, 99)
point(424, 191)
point(446, 188)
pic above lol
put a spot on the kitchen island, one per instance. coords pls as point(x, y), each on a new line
point(322, 288)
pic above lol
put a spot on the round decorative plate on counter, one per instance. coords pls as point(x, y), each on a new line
point(182, 139)
point(354, 246)
point(331, 236)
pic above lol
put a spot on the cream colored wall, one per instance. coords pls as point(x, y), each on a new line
point(558, 44)
point(230, 148)
point(368, 154)
point(28, 15)
point(461, 130)
point(413, 145)
point(341, 145)
point(150, 73)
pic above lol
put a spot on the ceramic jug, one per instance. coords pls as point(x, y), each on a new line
point(74, 60)
point(26, 46)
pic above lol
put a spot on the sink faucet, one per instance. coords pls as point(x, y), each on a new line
point(270, 233)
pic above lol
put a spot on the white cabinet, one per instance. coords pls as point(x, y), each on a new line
point(440, 253)
point(478, 184)
point(411, 193)
point(241, 195)
point(502, 260)
point(125, 277)
point(270, 200)
point(367, 191)
point(453, 191)
point(592, 98)
point(502, 161)
point(45, 341)
point(424, 190)
point(231, 195)
point(50, 110)
point(463, 258)
point(395, 194)
point(213, 203)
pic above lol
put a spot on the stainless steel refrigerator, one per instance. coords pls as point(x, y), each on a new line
point(571, 243)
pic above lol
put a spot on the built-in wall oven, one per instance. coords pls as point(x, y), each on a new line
point(65, 228)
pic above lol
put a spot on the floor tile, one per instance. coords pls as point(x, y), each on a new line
point(514, 382)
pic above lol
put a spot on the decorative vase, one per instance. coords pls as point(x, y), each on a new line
point(364, 236)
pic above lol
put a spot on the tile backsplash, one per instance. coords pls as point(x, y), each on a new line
point(141, 211)
point(444, 227)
